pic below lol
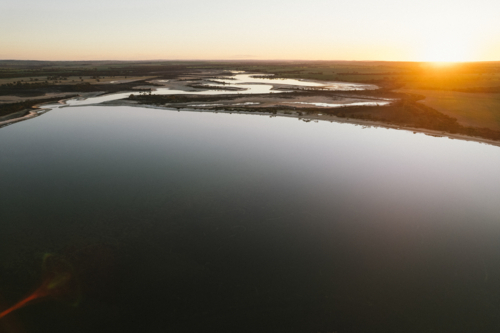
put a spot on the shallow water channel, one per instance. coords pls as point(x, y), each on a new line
point(246, 82)
point(196, 221)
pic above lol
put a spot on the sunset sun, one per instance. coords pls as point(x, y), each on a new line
point(448, 42)
point(447, 52)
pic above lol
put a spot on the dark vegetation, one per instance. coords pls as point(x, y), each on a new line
point(40, 89)
point(35, 78)
point(208, 87)
point(160, 100)
point(61, 69)
point(409, 113)
point(9, 108)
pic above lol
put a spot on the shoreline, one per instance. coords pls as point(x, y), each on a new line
point(352, 121)
point(29, 115)
point(370, 123)
point(33, 113)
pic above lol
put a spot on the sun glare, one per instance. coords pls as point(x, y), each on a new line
point(443, 44)
point(447, 50)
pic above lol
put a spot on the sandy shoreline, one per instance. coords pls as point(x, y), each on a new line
point(31, 114)
point(35, 111)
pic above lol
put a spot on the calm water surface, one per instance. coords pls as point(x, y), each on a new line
point(198, 222)
point(257, 82)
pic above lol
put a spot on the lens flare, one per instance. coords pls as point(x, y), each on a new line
point(58, 282)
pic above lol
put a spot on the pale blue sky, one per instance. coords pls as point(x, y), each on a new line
point(222, 29)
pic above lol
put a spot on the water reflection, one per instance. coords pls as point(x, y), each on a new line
point(270, 80)
point(250, 223)
point(331, 105)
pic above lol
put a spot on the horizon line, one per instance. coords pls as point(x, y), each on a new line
point(255, 60)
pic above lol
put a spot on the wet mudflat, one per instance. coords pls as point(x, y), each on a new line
point(189, 221)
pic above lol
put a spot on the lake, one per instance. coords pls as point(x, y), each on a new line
point(197, 221)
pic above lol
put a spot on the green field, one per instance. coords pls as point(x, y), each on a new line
point(470, 109)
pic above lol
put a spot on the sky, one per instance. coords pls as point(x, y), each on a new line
point(392, 30)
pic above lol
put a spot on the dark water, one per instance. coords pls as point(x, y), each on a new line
point(201, 222)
